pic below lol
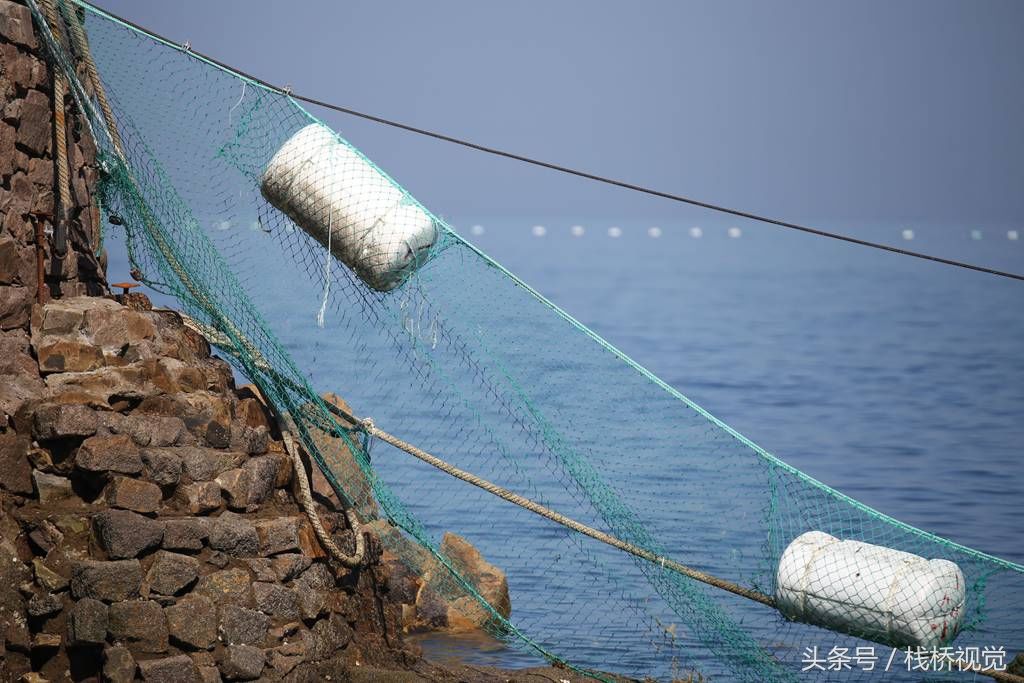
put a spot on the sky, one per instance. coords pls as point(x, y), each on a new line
point(807, 110)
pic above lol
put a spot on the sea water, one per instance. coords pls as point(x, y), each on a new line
point(896, 381)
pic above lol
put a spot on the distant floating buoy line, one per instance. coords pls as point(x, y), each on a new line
point(695, 232)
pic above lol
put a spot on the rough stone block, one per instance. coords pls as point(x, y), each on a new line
point(110, 386)
point(16, 390)
point(262, 475)
point(185, 534)
point(276, 600)
point(312, 603)
point(87, 623)
point(9, 264)
point(156, 431)
point(172, 573)
point(140, 624)
point(228, 586)
point(209, 674)
point(124, 534)
point(106, 581)
point(34, 129)
point(51, 488)
point(318, 577)
point(134, 494)
point(116, 454)
point(47, 578)
point(16, 24)
point(15, 354)
point(234, 535)
point(177, 669)
point(44, 604)
point(251, 440)
point(262, 569)
point(60, 421)
point(56, 319)
point(7, 136)
point(235, 485)
point(489, 580)
point(242, 663)
point(113, 326)
point(290, 565)
point(242, 626)
point(65, 355)
point(283, 664)
point(163, 465)
point(205, 464)
point(201, 496)
point(326, 637)
point(46, 641)
point(118, 665)
point(192, 622)
point(278, 535)
point(15, 471)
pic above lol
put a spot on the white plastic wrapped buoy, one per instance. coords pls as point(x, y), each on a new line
point(866, 590)
point(339, 198)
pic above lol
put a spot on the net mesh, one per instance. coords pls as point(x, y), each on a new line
point(453, 353)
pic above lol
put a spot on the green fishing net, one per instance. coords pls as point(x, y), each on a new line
point(451, 352)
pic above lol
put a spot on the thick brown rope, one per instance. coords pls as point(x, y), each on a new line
point(306, 499)
point(558, 518)
point(59, 245)
point(81, 46)
point(59, 125)
point(60, 131)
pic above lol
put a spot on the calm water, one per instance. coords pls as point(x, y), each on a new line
point(896, 381)
point(900, 383)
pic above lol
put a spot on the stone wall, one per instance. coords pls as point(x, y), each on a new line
point(27, 178)
point(148, 519)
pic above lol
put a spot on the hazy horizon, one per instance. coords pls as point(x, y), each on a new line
point(875, 112)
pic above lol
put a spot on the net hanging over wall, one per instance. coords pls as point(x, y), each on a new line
point(263, 222)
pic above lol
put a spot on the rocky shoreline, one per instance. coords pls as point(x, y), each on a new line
point(149, 522)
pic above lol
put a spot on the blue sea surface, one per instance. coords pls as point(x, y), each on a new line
point(896, 381)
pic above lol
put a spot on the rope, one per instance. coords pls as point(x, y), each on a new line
point(60, 133)
point(82, 47)
point(287, 91)
point(60, 153)
point(306, 499)
point(368, 426)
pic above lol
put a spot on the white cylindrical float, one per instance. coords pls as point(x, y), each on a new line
point(869, 591)
point(336, 196)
